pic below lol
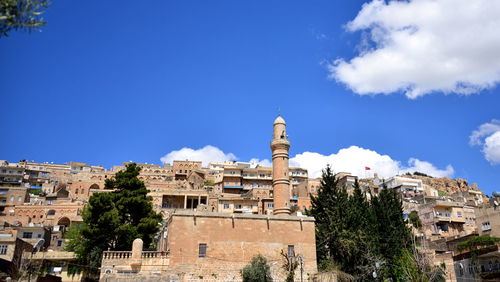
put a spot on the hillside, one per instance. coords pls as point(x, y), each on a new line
point(444, 184)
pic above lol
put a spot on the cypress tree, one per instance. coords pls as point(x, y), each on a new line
point(393, 233)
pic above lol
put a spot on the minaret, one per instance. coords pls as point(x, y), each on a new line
point(281, 178)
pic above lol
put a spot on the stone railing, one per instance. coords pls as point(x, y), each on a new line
point(153, 254)
point(117, 255)
point(108, 255)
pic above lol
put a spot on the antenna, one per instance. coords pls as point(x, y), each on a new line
point(279, 111)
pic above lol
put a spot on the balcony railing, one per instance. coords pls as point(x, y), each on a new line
point(107, 255)
point(153, 254)
point(116, 255)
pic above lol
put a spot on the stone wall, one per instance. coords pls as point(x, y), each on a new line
point(231, 242)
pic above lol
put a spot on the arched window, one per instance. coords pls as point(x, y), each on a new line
point(51, 212)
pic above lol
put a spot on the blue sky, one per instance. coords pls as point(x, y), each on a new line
point(112, 81)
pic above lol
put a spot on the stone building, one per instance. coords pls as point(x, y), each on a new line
point(442, 219)
point(215, 246)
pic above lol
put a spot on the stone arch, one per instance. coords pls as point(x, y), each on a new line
point(94, 186)
point(64, 221)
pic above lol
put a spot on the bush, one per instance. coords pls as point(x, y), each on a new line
point(257, 271)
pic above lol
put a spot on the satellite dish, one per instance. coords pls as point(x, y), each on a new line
point(38, 244)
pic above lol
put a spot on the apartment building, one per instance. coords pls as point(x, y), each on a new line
point(407, 187)
point(445, 218)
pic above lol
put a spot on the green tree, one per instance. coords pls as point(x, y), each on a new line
point(112, 220)
point(393, 233)
point(475, 245)
point(21, 15)
point(415, 220)
point(329, 209)
point(362, 230)
point(257, 271)
point(354, 234)
point(418, 267)
point(290, 264)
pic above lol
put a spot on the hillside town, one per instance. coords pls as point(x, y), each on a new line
point(217, 217)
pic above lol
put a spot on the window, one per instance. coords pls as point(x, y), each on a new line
point(226, 206)
point(28, 235)
point(486, 226)
point(291, 251)
point(238, 206)
point(202, 251)
point(12, 199)
point(459, 213)
point(3, 249)
point(59, 243)
point(19, 199)
point(39, 235)
point(51, 212)
point(461, 270)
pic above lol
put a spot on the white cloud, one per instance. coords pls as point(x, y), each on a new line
point(488, 136)
point(421, 46)
point(206, 155)
point(492, 148)
point(354, 160)
point(484, 129)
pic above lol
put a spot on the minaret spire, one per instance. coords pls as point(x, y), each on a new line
point(281, 178)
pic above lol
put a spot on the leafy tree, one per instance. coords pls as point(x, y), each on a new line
point(21, 15)
point(476, 244)
point(257, 271)
point(415, 220)
point(290, 264)
point(113, 220)
point(421, 174)
point(418, 267)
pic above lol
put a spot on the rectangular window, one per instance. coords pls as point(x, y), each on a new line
point(28, 235)
point(3, 249)
point(226, 206)
point(202, 251)
point(291, 251)
point(39, 235)
point(459, 214)
point(59, 243)
point(270, 205)
point(239, 206)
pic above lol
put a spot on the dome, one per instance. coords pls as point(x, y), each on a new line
point(279, 119)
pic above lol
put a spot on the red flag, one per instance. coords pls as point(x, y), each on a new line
point(367, 168)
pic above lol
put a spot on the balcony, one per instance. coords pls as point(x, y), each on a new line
point(125, 255)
